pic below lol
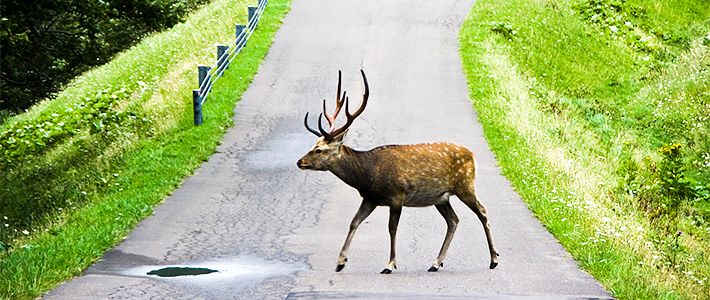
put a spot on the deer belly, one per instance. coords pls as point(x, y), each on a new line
point(426, 198)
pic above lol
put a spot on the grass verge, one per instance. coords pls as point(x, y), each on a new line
point(115, 143)
point(597, 111)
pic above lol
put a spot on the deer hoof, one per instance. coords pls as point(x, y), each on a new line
point(434, 269)
point(339, 268)
point(386, 271)
point(493, 265)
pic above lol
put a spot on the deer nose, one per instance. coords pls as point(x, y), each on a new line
point(302, 165)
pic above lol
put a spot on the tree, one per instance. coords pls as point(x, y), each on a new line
point(46, 43)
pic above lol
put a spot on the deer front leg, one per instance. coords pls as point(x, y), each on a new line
point(451, 222)
point(395, 212)
point(363, 212)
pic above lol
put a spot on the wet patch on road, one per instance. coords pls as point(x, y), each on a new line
point(239, 269)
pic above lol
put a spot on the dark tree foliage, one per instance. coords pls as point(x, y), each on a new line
point(46, 43)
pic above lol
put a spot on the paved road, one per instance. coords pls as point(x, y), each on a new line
point(275, 231)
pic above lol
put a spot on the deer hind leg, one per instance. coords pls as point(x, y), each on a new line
point(471, 200)
point(451, 222)
point(363, 212)
point(395, 212)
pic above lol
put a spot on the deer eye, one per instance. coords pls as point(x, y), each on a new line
point(317, 151)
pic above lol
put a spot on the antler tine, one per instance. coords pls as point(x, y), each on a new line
point(331, 118)
point(327, 118)
point(305, 122)
point(351, 118)
point(338, 107)
point(337, 93)
point(338, 104)
point(325, 134)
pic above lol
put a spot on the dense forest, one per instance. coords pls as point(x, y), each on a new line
point(46, 43)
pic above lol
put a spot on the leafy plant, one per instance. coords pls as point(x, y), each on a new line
point(35, 136)
point(503, 28)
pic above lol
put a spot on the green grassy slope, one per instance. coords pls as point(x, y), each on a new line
point(598, 112)
point(115, 143)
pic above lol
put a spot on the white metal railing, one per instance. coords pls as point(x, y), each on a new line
point(225, 56)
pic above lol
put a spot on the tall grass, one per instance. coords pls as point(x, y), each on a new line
point(125, 141)
point(597, 111)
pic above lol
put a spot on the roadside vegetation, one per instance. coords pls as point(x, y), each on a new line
point(599, 113)
point(79, 171)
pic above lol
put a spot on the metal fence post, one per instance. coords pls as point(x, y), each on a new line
point(197, 106)
point(202, 72)
point(222, 62)
point(252, 13)
point(205, 80)
point(238, 32)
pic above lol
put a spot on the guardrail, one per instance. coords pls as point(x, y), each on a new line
point(225, 55)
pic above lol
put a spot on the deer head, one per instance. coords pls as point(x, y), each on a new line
point(327, 149)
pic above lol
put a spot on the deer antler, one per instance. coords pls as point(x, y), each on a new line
point(330, 118)
point(351, 118)
point(339, 100)
point(305, 122)
point(338, 104)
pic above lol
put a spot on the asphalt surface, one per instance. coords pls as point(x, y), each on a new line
point(274, 231)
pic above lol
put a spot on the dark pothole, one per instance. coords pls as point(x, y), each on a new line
point(181, 271)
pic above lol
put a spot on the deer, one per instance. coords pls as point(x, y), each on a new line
point(396, 176)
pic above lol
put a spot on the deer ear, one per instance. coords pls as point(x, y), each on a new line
point(339, 137)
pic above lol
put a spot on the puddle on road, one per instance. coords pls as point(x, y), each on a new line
point(180, 271)
point(247, 269)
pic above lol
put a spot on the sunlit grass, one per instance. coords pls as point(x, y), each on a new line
point(576, 113)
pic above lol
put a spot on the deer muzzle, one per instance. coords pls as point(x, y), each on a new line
point(303, 165)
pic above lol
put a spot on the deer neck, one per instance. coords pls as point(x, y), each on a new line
point(351, 167)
